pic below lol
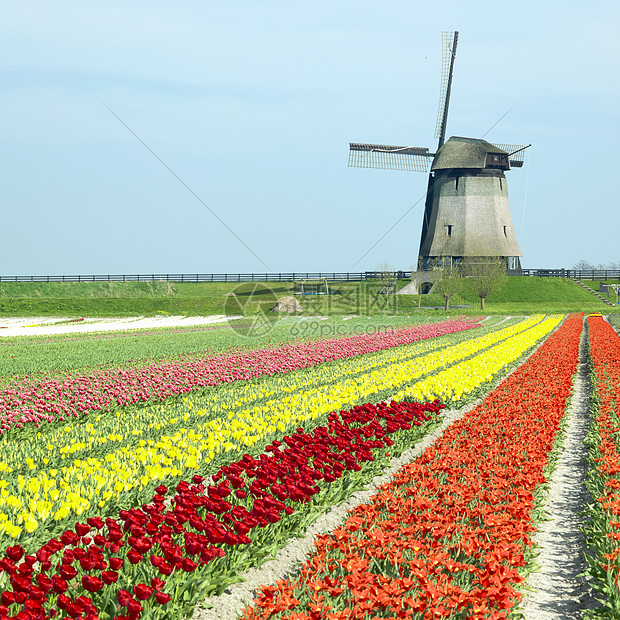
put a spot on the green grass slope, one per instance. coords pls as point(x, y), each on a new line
point(531, 294)
point(518, 295)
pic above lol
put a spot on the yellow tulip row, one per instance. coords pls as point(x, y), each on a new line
point(54, 494)
point(461, 379)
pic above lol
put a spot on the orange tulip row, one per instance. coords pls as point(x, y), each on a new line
point(450, 535)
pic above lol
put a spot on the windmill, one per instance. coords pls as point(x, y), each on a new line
point(466, 213)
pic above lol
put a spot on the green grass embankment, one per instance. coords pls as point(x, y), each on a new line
point(518, 295)
point(107, 299)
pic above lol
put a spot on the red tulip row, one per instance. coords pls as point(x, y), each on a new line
point(117, 568)
point(449, 536)
point(36, 401)
point(604, 485)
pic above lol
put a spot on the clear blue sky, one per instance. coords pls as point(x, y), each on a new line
point(253, 104)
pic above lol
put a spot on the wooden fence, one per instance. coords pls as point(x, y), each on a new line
point(332, 276)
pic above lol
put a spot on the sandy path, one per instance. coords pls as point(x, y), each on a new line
point(559, 592)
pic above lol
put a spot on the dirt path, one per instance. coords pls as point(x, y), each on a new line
point(559, 592)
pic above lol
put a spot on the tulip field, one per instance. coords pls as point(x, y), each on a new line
point(136, 490)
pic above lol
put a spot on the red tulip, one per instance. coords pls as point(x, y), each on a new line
point(142, 591)
point(92, 584)
point(96, 522)
point(109, 577)
point(157, 583)
point(67, 572)
point(59, 584)
point(162, 598)
point(134, 557)
point(15, 553)
point(63, 601)
point(123, 597)
point(188, 565)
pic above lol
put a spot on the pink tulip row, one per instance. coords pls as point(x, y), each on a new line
point(37, 400)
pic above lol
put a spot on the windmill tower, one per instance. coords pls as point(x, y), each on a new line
point(466, 213)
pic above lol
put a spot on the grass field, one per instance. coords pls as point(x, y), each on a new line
point(519, 294)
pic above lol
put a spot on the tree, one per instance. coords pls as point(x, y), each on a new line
point(449, 284)
point(583, 265)
point(385, 272)
point(487, 275)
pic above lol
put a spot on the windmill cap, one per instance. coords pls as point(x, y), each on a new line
point(469, 153)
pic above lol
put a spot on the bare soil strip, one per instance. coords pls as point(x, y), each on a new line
point(558, 591)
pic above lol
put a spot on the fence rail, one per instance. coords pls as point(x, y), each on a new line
point(333, 276)
point(200, 277)
point(575, 274)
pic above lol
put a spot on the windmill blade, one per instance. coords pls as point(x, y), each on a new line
point(516, 152)
point(449, 41)
point(410, 158)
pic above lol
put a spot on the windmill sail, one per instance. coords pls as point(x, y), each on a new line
point(449, 41)
point(409, 158)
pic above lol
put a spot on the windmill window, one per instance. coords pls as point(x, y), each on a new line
point(500, 184)
point(505, 232)
point(456, 184)
point(497, 160)
point(448, 230)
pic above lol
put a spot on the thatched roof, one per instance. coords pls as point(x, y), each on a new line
point(464, 153)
